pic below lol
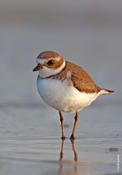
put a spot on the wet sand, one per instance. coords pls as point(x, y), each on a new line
point(30, 130)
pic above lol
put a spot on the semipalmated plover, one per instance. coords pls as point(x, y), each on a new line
point(65, 86)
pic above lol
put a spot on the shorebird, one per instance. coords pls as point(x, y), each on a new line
point(65, 86)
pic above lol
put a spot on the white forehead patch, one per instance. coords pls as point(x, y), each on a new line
point(41, 61)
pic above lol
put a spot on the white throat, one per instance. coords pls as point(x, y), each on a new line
point(46, 72)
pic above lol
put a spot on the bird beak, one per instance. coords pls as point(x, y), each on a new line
point(38, 67)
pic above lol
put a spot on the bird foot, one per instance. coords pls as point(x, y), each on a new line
point(72, 137)
point(63, 137)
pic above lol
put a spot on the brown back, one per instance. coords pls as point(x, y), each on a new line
point(80, 78)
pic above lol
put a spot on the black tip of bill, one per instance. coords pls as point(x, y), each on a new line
point(34, 69)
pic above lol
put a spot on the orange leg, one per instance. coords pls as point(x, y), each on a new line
point(74, 128)
point(62, 126)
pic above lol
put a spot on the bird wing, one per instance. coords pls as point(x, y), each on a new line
point(81, 79)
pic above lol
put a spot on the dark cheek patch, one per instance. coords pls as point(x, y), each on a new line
point(50, 62)
point(55, 65)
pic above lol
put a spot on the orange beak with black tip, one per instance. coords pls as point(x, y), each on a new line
point(38, 67)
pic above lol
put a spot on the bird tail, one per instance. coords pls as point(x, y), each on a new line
point(106, 91)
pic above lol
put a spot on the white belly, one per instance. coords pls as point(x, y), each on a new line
point(62, 96)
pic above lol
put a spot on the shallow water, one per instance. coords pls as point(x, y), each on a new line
point(30, 142)
point(30, 130)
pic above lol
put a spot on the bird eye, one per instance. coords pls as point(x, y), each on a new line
point(50, 62)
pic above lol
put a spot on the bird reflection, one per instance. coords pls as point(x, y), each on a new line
point(73, 148)
point(69, 167)
point(74, 164)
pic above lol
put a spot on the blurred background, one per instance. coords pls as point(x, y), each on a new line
point(86, 32)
